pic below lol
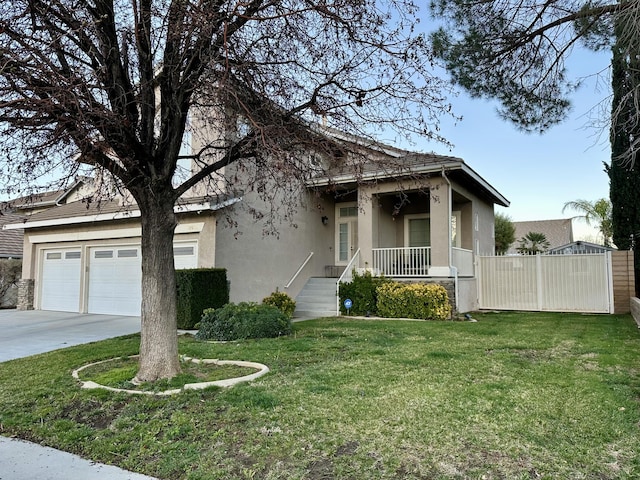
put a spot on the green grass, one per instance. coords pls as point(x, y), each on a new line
point(514, 396)
point(119, 372)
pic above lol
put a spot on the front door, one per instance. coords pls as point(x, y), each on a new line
point(346, 232)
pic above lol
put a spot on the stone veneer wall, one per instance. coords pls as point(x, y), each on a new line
point(26, 288)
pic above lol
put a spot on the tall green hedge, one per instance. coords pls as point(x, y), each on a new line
point(199, 289)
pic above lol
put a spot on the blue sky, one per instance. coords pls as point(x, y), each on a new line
point(539, 173)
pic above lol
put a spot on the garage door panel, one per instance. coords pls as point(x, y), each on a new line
point(61, 280)
point(115, 276)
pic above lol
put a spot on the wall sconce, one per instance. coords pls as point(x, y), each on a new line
point(325, 220)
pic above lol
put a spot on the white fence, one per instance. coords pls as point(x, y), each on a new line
point(559, 283)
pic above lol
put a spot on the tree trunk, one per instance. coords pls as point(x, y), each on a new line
point(159, 338)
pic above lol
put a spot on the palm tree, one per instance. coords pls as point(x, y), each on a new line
point(533, 243)
point(599, 212)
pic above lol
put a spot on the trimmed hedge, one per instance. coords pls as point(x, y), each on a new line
point(362, 292)
point(243, 320)
point(413, 300)
point(197, 290)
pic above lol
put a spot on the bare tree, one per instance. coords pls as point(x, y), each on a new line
point(114, 85)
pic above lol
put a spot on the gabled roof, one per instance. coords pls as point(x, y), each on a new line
point(98, 211)
point(41, 200)
point(397, 164)
point(580, 247)
point(558, 232)
point(10, 240)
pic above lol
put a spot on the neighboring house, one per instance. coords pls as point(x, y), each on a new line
point(558, 232)
point(10, 255)
point(81, 188)
point(17, 210)
point(10, 240)
point(410, 216)
point(579, 247)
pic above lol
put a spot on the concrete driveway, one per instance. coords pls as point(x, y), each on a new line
point(25, 333)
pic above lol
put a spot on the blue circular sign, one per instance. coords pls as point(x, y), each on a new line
point(348, 303)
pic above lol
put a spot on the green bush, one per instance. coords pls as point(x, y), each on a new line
point(362, 292)
point(243, 320)
point(197, 290)
point(413, 300)
point(282, 301)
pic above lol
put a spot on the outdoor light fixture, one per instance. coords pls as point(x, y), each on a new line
point(325, 220)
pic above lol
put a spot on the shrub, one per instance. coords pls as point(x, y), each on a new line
point(198, 289)
point(413, 300)
point(243, 320)
point(10, 273)
point(282, 301)
point(362, 292)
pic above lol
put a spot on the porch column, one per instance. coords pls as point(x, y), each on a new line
point(367, 225)
point(440, 208)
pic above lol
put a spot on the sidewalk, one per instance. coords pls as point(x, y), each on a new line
point(25, 333)
point(20, 460)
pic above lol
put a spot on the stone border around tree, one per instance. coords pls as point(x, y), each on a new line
point(229, 382)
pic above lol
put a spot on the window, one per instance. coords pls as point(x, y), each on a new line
point(72, 255)
point(177, 251)
point(417, 230)
point(131, 253)
point(348, 211)
point(54, 256)
point(103, 254)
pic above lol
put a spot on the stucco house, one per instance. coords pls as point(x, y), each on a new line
point(407, 215)
point(558, 232)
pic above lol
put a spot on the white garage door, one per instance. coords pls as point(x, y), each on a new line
point(185, 255)
point(61, 280)
point(115, 277)
point(115, 274)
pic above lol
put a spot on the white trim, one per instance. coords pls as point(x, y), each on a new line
point(116, 233)
point(102, 217)
point(413, 170)
point(352, 225)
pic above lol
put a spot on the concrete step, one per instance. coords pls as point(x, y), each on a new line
point(317, 298)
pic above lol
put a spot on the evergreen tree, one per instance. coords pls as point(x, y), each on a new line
point(504, 233)
point(624, 173)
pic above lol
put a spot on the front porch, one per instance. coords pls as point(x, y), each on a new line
point(425, 231)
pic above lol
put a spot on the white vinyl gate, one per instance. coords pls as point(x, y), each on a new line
point(555, 283)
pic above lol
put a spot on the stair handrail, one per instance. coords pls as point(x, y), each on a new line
point(295, 275)
point(346, 270)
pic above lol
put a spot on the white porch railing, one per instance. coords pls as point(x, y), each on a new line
point(415, 261)
point(403, 261)
point(463, 260)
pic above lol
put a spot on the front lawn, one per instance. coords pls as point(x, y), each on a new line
point(514, 396)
